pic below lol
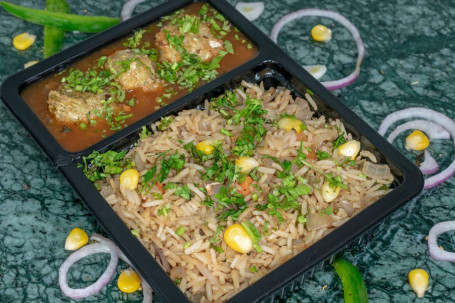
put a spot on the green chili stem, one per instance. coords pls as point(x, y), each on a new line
point(68, 22)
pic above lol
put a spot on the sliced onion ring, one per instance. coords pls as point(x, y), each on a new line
point(434, 116)
point(251, 10)
point(79, 293)
point(317, 71)
point(433, 130)
point(147, 291)
point(436, 252)
point(429, 165)
point(336, 84)
point(128, 8)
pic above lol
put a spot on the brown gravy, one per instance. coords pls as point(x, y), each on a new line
point(72, 138)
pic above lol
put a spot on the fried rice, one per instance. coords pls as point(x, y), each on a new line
point(204, 267)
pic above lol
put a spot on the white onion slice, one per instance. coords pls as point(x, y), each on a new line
point(436, 252)
point(434, 116)
point(128, 8)
point(429, 165)
point(79, 293)
point(336, 84)
point(433, 130)
point(147, 291)
point(251, 10)
point(317, 71)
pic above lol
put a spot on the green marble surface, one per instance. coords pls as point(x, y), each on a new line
point(410, 61)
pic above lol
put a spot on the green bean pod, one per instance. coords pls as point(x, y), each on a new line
point(354, 288)
point(53, 36)
point(68, 22)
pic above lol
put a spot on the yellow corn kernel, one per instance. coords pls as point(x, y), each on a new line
point(291, 123)
point(30, 63)
point(23, 41)
point(329, 193)
point(418, 279)
point(205, 146)
point(246, 164)
point(129, 179)
point(237, 238)
point(321, 33)
point(417, 140)
point(76, 239)
point(350, 149)
point(128, 281)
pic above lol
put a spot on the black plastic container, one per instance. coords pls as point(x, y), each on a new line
point(273, 67)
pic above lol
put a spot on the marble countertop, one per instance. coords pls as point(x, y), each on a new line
point(410, 51)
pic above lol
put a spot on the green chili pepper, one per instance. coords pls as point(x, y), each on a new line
point(53, 37)
point(354, 288)
point(68, 22)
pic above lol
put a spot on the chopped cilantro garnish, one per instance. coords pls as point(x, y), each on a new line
point(134, 40)
point(321, 155)
point(180, 231)
point(183, 192)
point(98, 166)
point(135, 232)
point(188, 24)
point(266, 228)
point(175, 161)
point(222, 170)
point(254, 234)
point(144, 133)
point(225, 132)
point(253, 130)
point(66, 129)
point(217, 236)
point(335, 181)
point(286, 195)
point(228, 46)
point(91, 81)
point(328, 211)
point(231, 204)
point(339, 140)
point(301, 219)
point(165, 122)
point(253, 268)
point(164, 210)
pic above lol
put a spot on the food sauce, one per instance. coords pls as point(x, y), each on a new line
point(73, 138)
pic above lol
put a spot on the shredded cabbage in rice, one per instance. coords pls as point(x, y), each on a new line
point(284, 202)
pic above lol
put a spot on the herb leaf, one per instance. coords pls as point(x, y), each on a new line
point(321, 155)
point(98, 166)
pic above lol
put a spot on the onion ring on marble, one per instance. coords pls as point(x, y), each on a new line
point(336, 84)
point(79, 293)
point(433, 130)
point(436, 252)
point(317, 71)
point(429, 165)
point(128, 8)
point(147, 291)
point(251, 10)
point(431, 115)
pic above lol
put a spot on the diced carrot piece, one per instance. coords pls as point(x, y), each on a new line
point(301, 137)
point(311, 156)
point(160, 187)
point(245, 185)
